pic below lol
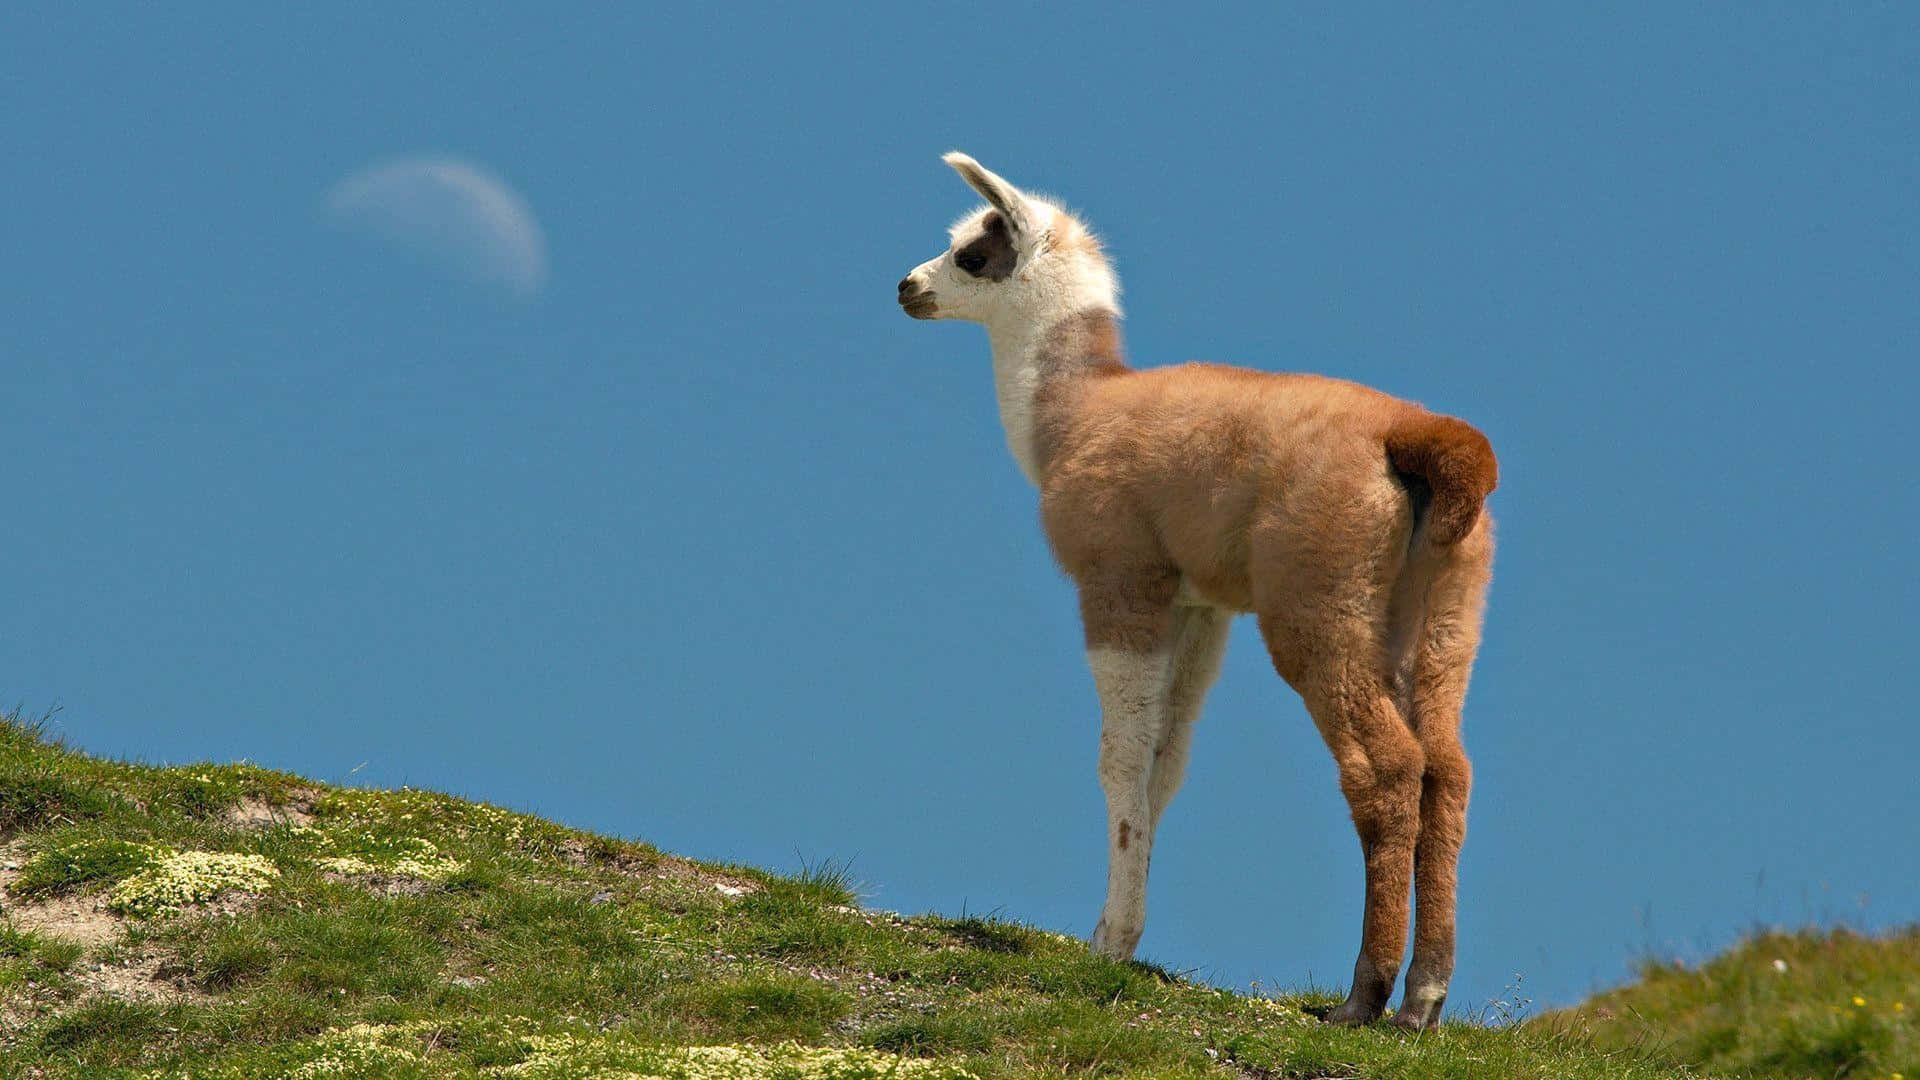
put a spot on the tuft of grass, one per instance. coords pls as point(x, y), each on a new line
point(236, 954)
point(359, 948)
point(826, 882)
point(40, 950)
point(990, 935)
point(33, 795)
point(762, 1007)
point(200, 791)
point(114, 1031)
point(935, 1034)
point(63, 862)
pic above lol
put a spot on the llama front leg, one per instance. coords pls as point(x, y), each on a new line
point(1129, 648)
point(1133, 694)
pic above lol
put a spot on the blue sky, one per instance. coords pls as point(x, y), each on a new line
point(706, 543)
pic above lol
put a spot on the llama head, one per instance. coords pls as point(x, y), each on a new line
point(1018, 262)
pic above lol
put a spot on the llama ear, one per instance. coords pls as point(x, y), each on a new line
point(1005, 198)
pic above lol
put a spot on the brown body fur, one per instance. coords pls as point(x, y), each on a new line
point(1292, 497)
point(1209, 470)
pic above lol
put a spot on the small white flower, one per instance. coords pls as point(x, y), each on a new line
point(1780, 966)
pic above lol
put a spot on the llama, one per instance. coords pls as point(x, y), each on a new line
point(1348, 522)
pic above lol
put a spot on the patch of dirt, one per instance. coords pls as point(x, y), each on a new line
point(257, 813)
point(231, 903)
point(70, 918)
point(578, 854)
point(582, 854)
point(81, 919)
point(127, 974)
point(677, 869)
point(139, 977)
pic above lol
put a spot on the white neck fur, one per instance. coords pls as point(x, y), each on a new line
point(1016, 379)
point(1016, 344)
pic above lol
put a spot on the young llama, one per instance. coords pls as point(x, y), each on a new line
point(1348, 522)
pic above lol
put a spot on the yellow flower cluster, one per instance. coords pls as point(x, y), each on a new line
point(558, 1056)
point(363, 1050)
point(415, 857)
point(346, 864)
point(178, 879)
point(411, 807)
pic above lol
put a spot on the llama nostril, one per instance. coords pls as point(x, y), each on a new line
point(906, 284)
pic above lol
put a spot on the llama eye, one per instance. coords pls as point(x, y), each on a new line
point(972, 262)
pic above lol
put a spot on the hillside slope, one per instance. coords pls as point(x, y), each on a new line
point(226, 920)
point(1827, 1004)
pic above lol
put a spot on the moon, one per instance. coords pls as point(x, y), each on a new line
point(454, 212)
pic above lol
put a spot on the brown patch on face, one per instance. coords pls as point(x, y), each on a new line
point(1126, 834)
point(991, 255)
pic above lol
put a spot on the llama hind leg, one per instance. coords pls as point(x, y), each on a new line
point(1325, 602)
point(1199, 642)
point(1442, 664)
point(1338, 665)
point(1381, 764)
point(1129, 647)
point(1443, 827)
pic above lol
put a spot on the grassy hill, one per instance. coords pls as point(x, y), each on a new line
point(1827, 1004)
point(226, 920)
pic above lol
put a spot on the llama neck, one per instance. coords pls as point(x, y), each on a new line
point(1032, 363)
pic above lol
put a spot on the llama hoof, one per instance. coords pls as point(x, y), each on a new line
point(1366, 998)
point(1111, 945)
point(1416, 1019)
point(1420, 1011)
point(1351, 1013)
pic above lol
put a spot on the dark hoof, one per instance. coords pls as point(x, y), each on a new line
point(1366, 999)
point(1351, 1013)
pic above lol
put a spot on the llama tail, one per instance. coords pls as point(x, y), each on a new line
point(1456, 463)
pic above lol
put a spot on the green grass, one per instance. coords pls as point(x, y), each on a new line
point(1827, 1004)
point(64, 860)
point(408, 933)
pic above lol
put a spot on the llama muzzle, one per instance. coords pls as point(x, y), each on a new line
point(915, 300)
